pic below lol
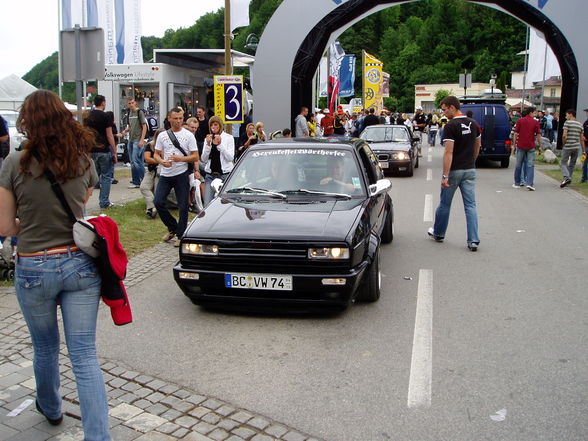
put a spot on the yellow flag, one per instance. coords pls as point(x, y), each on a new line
point(373, 80)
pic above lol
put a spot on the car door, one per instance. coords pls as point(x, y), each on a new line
point(376, 204)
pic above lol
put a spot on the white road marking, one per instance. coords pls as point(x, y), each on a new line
point(430, 158)
point(428, 215)
point(429, 174)
point(430, 149)
point(421, 366)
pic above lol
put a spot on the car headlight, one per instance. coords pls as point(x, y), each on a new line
point(336, 253)
point(200, 249)
point(400, 155)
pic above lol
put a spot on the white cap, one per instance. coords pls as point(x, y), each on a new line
point(419, 108)
point(326, 111)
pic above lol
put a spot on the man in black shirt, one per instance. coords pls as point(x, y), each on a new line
point(104, 154)
point(371, 119)
point(462, 146)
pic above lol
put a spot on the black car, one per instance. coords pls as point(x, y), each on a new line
point(395, 147)
point(299, 223)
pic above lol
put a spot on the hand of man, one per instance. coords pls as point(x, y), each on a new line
point(445, 182)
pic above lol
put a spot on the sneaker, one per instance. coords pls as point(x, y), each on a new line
point(530, 188)
point(133, 186)
point(515, 185)
point(473, 246)
point(110, 205)
point(177, 243)
point(168, 236)
point(565, 182)
point(53, 421)
point(522, 184)
point(115, 181)
point(194, 209)
point(431, 234)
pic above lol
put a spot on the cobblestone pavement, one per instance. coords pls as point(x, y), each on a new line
point(142, 408)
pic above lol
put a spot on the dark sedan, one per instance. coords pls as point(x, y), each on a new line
point(395, 147)
point(298, 223)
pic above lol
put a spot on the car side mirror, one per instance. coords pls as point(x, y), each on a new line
point(217, 184)
point(381, 186)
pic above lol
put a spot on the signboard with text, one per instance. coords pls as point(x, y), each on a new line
point(228, 98)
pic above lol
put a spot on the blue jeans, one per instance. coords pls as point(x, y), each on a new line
point(181, 185)
point(208, 190)
point(525, 167)
point(72, 281)
point(137, 161)
point(432, 137)
point(465, 180)
point(105, 170)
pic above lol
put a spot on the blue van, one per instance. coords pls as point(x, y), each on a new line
point(495, 124)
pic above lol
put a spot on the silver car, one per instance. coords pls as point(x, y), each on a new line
point(15, 138)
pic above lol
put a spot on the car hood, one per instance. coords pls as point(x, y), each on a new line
point(390, 146)
point(274, 219)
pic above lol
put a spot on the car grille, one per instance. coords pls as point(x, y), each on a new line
point(383, 157)
point(263, 256)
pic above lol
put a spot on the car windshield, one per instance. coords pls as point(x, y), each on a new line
point(314, 172)
point(385, 134)
point(10, 118)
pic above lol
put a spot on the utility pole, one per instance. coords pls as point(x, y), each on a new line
point(228, 61)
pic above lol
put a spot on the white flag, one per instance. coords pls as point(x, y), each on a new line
point(128, 31)
point(101, 15)
point(323, 77)
point(72, 13)
point(239, 13)
point(538, 61)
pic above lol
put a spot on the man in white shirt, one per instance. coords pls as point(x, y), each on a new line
point(174, 149)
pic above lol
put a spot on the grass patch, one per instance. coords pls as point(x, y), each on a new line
point(581, 188)
point(137, 233)
point(122, 173)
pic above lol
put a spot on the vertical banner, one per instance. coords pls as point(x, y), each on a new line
point(386, 85)
point(101, 14)
point(372, 82)
point(239, 13)
point(323, 77)
point(347, 76)
point(128, 31)
point(72, 13)
point(228, 98)
point(336, 57)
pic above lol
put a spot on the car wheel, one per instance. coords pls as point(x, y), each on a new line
point(504, 163)
point(388, 231)
point(369, 290)
point(416, 164)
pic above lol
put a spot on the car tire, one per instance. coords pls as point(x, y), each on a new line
point(388, 231)
point(505, 162)
point(369, 290)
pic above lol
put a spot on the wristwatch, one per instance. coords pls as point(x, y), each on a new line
point(445, 177)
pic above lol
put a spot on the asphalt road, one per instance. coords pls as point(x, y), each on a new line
point(506, 328)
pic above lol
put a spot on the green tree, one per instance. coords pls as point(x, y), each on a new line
point(439, 95)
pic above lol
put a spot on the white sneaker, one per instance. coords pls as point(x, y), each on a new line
point(515, 185)
point(530, 188)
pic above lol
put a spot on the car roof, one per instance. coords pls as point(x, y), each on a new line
point(8, 112)
point(314, 142)
point(387, 125)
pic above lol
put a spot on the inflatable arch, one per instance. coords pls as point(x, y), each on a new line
point(299, 32)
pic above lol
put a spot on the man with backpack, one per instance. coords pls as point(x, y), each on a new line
point(137, 130)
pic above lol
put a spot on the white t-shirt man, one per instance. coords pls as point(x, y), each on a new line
point(186, 140)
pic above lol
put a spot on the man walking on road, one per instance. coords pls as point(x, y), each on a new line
point(137, 130)
point(585, 165)
point(572, 140)
point(301, 125)
point(104, 153)
point(526, 131)
point(173, 150)
point(462, 146)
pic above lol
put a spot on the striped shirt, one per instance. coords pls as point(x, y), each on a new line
point(574, 129)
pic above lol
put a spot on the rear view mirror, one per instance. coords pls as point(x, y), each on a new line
point(379, 187)
point(217, 184)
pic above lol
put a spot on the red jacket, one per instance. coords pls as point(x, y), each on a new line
point(112, 264)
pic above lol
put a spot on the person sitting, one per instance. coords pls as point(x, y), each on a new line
point(335, 182)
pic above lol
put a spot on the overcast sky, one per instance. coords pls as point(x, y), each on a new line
point(29, 27)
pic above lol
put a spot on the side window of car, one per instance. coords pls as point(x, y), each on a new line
point(370, 163)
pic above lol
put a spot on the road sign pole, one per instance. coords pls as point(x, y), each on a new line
point(78, 38)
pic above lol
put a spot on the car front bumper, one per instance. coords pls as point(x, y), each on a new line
point(308, 291)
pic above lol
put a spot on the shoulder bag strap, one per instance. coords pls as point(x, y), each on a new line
point(175, 142)
point(58, 191)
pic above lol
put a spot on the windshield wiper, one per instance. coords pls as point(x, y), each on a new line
point(320, 193)
point(257, 190)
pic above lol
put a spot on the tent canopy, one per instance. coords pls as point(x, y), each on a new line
point(13, 91)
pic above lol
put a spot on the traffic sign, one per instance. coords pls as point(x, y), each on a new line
point(228, 98)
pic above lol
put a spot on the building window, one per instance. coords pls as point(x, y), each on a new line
point(552, 92)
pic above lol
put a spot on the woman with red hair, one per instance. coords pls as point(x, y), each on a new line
point(51, 272)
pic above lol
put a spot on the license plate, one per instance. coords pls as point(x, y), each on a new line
point(383, 164)
point(274, 282)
